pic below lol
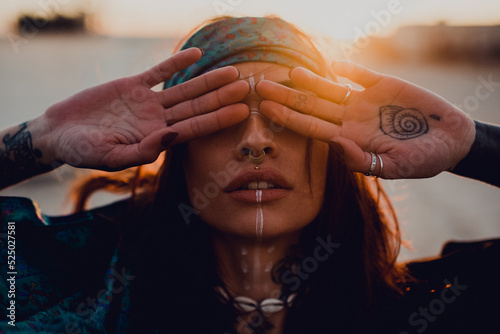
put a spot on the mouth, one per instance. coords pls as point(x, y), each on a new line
point(258, 186)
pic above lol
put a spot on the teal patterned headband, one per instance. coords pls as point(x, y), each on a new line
point(248, 39)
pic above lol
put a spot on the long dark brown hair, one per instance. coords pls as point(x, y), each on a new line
point(171, 254)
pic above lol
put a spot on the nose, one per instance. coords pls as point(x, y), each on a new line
point(256, 140)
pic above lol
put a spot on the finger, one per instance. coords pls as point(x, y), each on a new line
point(198, 86)
point(320, 86)
point(305, 125)
point(166, 69)
point(151, 146)
point(144, 152)
point(354, 157)
point(206, 124)
point(359, 161)
point(226, 95)
point(301, 101)
point(356, 73)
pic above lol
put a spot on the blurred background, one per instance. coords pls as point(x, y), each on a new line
point(50, 49)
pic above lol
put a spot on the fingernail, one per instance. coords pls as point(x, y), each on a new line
point(256, 85)
point(290, 73)
point(202, 52)
point(169, 138)
point(239, 73)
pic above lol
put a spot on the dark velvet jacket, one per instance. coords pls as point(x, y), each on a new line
point(69, 278)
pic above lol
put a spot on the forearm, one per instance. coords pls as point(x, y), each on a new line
point(23, 153)
point(481, 163)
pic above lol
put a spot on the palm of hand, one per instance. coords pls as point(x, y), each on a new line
point(416, 132)
point(101, 125)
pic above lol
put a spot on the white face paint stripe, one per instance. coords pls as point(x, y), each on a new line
point(258, 195)
point(261, 226)
point(251, 81)
point(259, 216)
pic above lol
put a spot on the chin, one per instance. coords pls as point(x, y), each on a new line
point(256, 224)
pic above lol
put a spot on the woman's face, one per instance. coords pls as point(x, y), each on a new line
point(234, 197)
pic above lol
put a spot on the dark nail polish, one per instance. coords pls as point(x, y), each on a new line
point(169, 138)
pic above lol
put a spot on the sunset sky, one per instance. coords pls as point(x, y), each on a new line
point(342, 19)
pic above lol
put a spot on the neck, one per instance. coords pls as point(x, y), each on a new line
point(245, 265)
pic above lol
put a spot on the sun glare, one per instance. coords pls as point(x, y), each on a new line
point(347, 20)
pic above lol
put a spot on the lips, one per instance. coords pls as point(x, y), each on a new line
point(258, 186)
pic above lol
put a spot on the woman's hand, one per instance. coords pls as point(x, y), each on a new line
point(415, 132)
point(124, 123)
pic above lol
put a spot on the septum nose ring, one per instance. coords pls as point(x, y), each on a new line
point(257, 160)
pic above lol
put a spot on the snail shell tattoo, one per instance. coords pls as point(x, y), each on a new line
point(402, 123)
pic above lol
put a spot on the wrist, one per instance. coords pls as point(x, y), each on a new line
point(464, 136)
point(41, 140)
point(479, 163)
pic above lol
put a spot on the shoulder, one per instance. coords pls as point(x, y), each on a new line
point(56, 260)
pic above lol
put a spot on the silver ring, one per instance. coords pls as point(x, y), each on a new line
point(349, 90)
point(374, 163)
point(381, 166)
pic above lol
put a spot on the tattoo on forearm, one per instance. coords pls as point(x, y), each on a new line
point(19, 159)
point(435, 117)
point(402, 123)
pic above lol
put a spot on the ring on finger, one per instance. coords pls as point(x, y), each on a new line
point(348, 93)
point(373, 164)
point(381, 167)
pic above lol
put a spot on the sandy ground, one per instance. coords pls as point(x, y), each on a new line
point(37, 72)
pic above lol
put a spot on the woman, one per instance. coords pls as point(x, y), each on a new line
point(259, 221)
